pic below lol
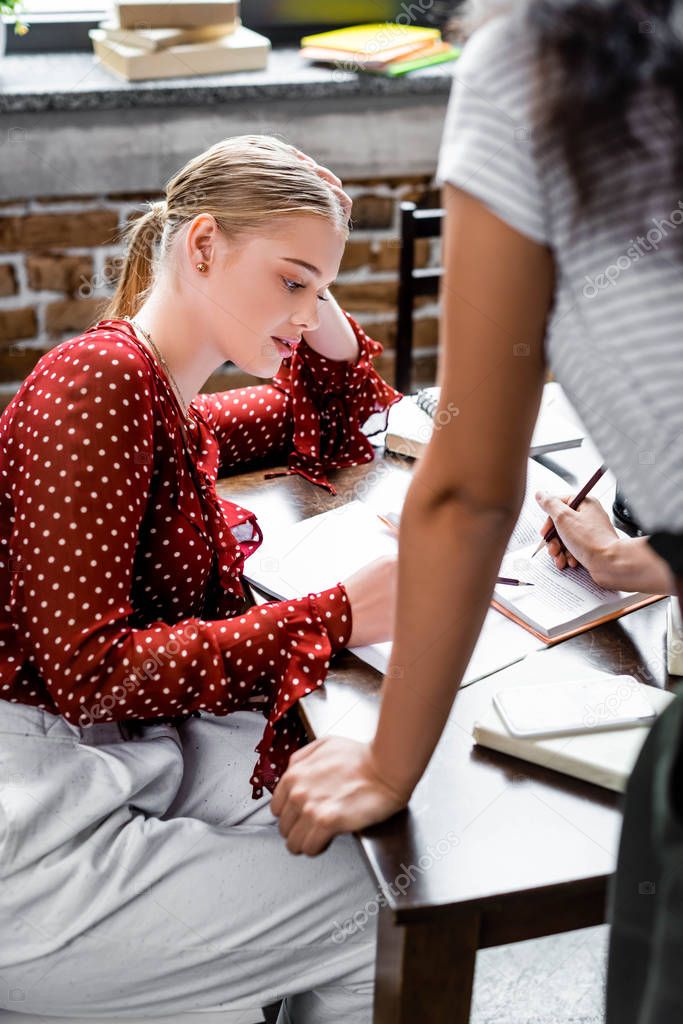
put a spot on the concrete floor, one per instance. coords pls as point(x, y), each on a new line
point(555, 980)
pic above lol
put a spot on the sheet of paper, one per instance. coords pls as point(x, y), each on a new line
point(501, 643)
point(558, 595)
point(391, 496)
point(326, 549)
point(532, 516)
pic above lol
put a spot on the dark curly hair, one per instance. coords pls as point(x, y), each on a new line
point(594, 55)
point(605, 52)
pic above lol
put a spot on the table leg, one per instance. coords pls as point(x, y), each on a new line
point(425, 969)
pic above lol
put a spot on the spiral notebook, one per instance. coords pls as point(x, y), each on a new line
point(411, 424)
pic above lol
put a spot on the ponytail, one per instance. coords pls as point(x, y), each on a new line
point(137, 275)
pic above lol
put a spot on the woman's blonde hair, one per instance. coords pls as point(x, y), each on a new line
point(244, 182)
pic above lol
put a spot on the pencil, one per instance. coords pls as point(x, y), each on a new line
point(388, 519)
point(551, 533)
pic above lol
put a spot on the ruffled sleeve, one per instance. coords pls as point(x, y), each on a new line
point(317, 627)
point(331, 400)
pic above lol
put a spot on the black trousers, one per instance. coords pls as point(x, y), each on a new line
point(645, 968)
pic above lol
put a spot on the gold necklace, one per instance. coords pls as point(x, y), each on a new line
point(164, 364)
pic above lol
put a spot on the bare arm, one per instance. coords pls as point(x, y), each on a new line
point(459, 513)
point(334, 337)
point(467, 491)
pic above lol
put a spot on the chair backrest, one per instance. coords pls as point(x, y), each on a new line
point(413, 281)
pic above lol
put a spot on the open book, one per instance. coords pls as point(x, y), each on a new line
point(562, 602)
point(411, 425)
point(318, 552)
point(328, 548)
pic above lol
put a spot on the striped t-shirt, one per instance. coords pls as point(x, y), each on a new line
point(615, 340)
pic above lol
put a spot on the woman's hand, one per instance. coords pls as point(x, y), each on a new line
point(331, 786)
point(584, 534)
point(372, 595)
point(332, 180)
point(614, 562)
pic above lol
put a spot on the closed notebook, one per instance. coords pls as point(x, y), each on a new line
point(241, 50)
point(605, 758)
point(411, 425)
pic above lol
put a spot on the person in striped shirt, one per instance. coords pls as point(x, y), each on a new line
point(561, 165)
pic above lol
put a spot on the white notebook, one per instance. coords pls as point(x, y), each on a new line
point(409, 427)
point(605, 758)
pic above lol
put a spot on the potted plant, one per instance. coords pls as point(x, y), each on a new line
point(12, 8)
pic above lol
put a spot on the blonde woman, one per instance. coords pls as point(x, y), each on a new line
point(141, 875)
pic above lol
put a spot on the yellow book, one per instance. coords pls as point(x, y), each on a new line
point(371, 40)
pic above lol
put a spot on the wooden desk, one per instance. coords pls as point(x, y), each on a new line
point(510, 851)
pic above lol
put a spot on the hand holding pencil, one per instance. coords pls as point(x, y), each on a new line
point(582, 535)
point(551, 533)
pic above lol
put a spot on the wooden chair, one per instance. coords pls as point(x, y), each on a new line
point(413, 281)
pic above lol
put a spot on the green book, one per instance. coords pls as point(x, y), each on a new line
point(404, 66)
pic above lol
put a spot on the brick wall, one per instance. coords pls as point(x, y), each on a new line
point(58, 263)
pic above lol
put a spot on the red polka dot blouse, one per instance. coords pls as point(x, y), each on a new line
point(120, 566)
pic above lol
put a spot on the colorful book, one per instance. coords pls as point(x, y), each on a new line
point(439, 55)
point(360, 60)
point(361, 41)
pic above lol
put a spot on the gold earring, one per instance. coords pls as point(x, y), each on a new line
point(202, 267)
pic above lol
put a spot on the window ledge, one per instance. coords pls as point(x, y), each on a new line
point(78, 81)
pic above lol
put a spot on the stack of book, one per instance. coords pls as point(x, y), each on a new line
point(381, 49)
point(177, 38)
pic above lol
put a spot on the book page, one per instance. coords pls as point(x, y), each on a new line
point(558, 596)
point(325, 549)
point(532, 516)
point(501, 642)
point(321, 551)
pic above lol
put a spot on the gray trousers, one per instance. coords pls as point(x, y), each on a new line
point(139, 879)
